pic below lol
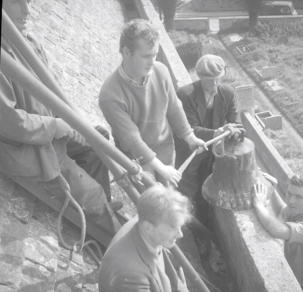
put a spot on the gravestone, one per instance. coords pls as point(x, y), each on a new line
point(246, 99)
point(213, 25)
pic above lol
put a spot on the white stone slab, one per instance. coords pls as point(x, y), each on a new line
point(274, 84)
point(246, 98)
point(214, 25)
point(235, 38)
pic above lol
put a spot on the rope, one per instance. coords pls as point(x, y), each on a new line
point(98, 258)
point(79, 245)
point(69, 198)
point(218, 148)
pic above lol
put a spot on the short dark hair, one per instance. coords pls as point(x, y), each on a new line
point(296, 180)
point(163, 204)
point(138, 29)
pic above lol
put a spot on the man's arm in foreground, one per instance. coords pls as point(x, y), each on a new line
point(267, 217)
point(128, 282)
point(23, 127)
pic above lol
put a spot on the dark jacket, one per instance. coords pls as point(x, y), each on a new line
point(194, 104)
point(129, 266)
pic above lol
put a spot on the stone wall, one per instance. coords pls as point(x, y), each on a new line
point(202, 23)
point(81, 39)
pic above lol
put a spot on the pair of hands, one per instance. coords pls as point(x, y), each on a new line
point(236, 131)
point(173, 176)
point(196, 143)
point(64, 130)
point(169, 173)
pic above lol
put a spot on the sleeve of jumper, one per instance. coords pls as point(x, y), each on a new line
point(124, 129)
point(19, 126)
point(191, 112)
point(296, 232)
point(131, 282)
point(175, 114)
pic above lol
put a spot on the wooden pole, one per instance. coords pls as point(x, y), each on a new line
point(14, 36)
point(101, 145)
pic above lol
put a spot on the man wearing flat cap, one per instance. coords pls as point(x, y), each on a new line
point(210, 108)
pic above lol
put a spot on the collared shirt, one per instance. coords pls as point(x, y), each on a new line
point(149, 114)
point(132, 81)
point(156, 251)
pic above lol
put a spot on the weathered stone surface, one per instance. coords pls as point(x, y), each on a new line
point(256, 259)
point(28, 250)
point(81, 39)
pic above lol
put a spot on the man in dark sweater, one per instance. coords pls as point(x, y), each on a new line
point(210, 108)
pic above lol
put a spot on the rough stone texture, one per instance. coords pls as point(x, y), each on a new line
point(28, 248)
point(266, 152)
point(31, 259)
point(81, 39)
point(256, 259)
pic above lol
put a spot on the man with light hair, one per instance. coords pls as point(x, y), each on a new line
point(210, 108)
point(137, 259)
point(140, 103)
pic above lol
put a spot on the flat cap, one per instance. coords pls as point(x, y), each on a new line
point(210, 66)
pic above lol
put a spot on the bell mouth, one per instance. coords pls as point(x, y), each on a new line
point(234, 174)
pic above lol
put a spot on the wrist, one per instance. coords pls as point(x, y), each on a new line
point(260, 208)
point(155, 164)
point(189, 138)
point(218, 131)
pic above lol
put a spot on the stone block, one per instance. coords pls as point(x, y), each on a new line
point(269, 121)
point(256, 259)
point(258, 73)
point(246, 98)
point(234, 37)
point(244, 49)
point(273, 85)
point(213, 25)
point(267, 72)
point(266, 152)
